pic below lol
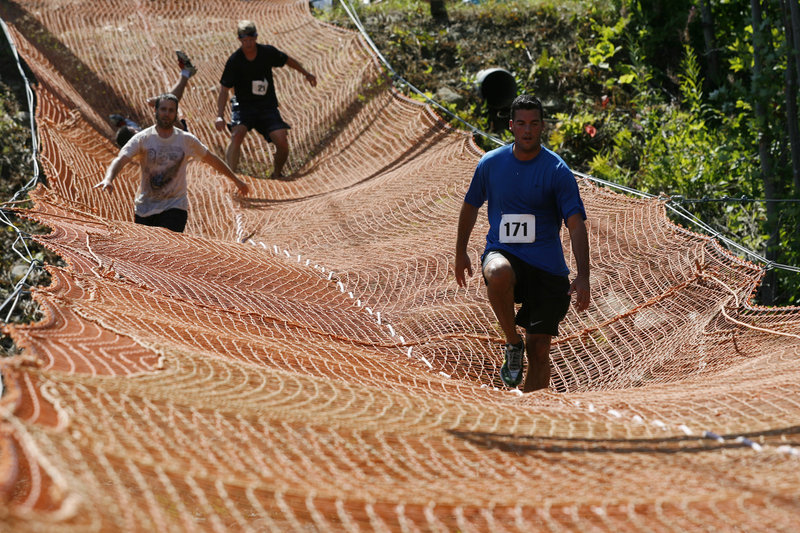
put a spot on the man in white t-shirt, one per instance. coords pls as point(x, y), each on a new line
point(163, 151)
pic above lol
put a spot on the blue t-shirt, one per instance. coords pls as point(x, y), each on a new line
point(543, 187)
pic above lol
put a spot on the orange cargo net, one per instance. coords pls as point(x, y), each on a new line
point(304, 360)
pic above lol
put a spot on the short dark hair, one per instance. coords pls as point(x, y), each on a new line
point(527, 101)
point(124, 135)
point(246, 28)
point(165, 96)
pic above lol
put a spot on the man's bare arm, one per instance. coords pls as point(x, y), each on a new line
point(466, 222)
point(111, 173)
point(580, 250)
point(222, 101)
point(310, 78)
point(220, 166)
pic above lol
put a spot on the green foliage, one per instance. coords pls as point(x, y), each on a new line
point(14, 154)
point(660, 30)
point(663, 144)
point(681, 151)
point(604, 45)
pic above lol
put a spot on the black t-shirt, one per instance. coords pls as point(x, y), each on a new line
point(252, 80)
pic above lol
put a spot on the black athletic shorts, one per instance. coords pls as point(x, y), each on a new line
point(263, 120)
point(172, 219)
point(544, 296)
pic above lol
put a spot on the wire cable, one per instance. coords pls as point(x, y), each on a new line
point(22, 236)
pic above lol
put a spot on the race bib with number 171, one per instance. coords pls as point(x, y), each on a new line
point(518, 228)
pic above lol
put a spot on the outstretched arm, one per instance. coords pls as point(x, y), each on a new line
point(220, 166)
point(310, 78)
point(466, 221)
point(580, 249)
point(111, 173)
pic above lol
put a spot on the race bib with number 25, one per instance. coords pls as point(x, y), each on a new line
point(260, 87)
point(518, 228)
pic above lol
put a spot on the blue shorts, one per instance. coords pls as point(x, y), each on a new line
point(255, 117)
point(544, 296)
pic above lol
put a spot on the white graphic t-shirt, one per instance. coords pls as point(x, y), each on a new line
point(163, 162)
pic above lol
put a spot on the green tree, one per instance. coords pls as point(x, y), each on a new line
point(751, 57)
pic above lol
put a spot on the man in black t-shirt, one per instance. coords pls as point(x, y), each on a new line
point(249, 72)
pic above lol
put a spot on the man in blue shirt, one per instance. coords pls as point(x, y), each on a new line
point(248, 71)
point(530, 191)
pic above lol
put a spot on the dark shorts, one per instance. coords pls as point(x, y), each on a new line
point(263, 120)
point(544, 296)
point(172, 219)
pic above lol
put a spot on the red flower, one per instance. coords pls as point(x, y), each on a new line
point(591, 130)
point(604, 101)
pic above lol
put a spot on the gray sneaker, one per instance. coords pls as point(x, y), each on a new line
point(185, 63)
point(511, 372)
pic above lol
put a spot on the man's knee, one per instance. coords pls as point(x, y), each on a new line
point(238, 134)
point(499, 272)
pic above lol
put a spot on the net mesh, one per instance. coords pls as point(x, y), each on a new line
point(303, 359)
